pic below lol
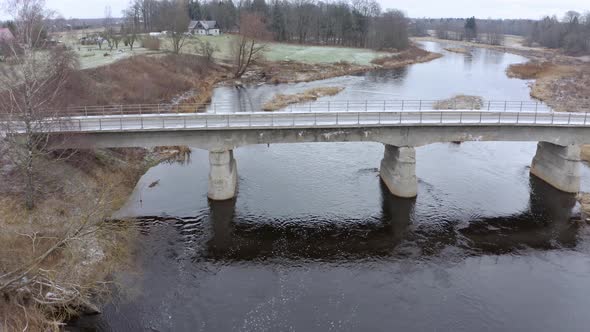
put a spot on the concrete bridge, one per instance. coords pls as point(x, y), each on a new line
point(557, 161)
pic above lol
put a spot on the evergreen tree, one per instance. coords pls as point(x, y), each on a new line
point(470, 29)
point(194, 9)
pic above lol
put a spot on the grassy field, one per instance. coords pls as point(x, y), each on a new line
point(91, 56)
point(292, 52)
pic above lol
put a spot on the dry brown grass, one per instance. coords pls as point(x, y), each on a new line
point(141, 80)
point(585, 153)
point(413, 54)
point(460, 102)
point(281, 101)
point(461, 50)
point(68, 224)
point(294, 72)
point(531, 70)
point(151, 43)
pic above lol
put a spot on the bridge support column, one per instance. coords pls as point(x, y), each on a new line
point(223, 175)
point(398, 171)
point(558, 165)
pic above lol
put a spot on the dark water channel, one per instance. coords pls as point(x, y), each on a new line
point(315, 242)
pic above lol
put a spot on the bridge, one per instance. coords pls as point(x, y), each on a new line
point(401, 126)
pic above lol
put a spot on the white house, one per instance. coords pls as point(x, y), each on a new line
point(204, 28)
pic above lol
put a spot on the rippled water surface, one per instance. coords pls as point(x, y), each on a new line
point(315, 242)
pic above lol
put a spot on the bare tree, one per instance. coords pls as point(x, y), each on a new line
point(175, 20)
point(131, 25)
point(249, 46)
point(206, 49)
point(109, 29)
point(30, 84)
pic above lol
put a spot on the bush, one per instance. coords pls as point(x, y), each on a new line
point(151, 43)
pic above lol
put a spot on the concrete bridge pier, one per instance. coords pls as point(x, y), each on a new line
point(398, 171)
point(558, 165)
point(223, 175)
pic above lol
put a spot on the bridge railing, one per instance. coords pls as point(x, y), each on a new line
point(318, 106)
point(262, 120)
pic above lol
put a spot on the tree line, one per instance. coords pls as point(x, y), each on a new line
point(356, 23)
point(572, 33)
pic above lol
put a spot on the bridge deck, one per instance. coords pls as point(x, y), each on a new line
point(266, 120)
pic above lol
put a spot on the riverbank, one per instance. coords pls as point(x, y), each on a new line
point(278, 72)
point(56, 261)
point(560, 80)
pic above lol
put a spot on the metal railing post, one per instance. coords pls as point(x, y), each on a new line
point(384, 105)
point(420, 107)
point(441, 116)
point(379, 118)
point(505, 105)
point(480, 116)
point(517, 117)
point(521, 106)
point(141, 118)
point(228, 120)
point(569, 119)
point(99, 124)
point(347, 105)
point(585, 116)
point(402, 105)
point(460, 117)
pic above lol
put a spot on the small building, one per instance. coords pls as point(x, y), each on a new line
point(5, 35)
point(203, 28)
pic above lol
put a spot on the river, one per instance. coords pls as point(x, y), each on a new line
point(315, 242)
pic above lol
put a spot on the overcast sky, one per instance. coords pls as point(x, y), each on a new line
point(414, 8)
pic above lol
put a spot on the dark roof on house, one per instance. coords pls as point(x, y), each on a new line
point(203, 24)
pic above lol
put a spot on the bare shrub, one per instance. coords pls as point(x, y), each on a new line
point(151, 43)
point(249, 47)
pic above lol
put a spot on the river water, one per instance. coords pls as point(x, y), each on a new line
point(315, 242)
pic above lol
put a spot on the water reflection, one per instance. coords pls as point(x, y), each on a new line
point(394, 77)
point(304, 238)
point(545, 224)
